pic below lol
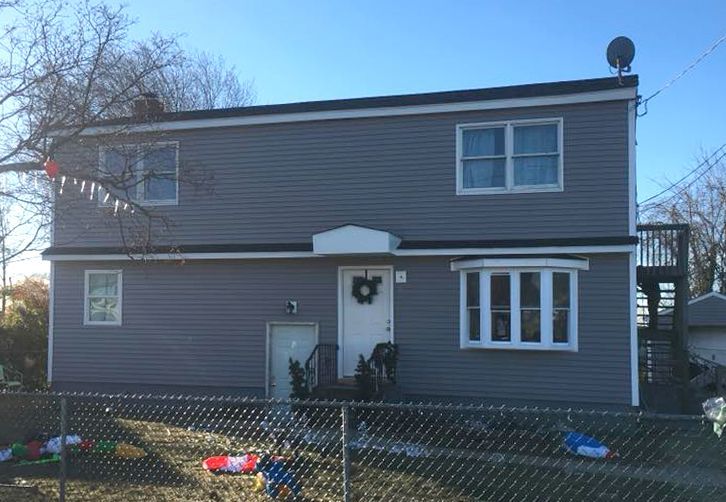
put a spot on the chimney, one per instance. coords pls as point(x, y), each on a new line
point(148, 106)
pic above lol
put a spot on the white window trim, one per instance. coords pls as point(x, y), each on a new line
point(119, 288)
point(139, 183)
point(546, 308)
point(509, 156)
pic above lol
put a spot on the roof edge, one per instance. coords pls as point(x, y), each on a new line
point(539, 94)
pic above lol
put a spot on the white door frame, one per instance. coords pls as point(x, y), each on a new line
point(268, 345)
point(340, 305)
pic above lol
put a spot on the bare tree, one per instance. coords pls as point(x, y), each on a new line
point(200, 81)
point(66, 67)
point(701, 203)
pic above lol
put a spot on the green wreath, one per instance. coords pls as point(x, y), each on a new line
point(364, 289)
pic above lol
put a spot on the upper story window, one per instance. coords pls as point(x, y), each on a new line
point(506, 157)
point(145, 173)
point(528, 304)
point(102, 297)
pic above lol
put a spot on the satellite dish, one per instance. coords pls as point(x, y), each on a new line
point(621, 52)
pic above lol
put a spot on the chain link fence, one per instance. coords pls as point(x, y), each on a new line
point(133, 448)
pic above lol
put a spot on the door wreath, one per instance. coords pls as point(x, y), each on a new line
point(364, 289)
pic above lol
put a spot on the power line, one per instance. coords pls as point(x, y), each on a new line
point(695, 63)
point(709, 161)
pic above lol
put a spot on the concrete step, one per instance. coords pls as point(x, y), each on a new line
point(337, 392)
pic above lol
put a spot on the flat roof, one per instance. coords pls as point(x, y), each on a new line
point(568, 87)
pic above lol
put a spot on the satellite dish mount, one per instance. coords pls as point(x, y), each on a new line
point(620, 54)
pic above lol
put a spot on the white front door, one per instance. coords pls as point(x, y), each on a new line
point(295, 341)
point(365, 321)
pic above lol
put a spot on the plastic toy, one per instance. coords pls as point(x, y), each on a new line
point(50, 460)
point(53, 445)
point(244, 464)
point(586, 446)
point(38, 452)
point(715, 410)
point(278, 481)
point(125, 450)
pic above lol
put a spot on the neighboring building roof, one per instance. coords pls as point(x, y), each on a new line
point(416, 102)
point(707, 310)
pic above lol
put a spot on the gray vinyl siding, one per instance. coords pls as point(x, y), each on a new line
point(707, 312)
point(202, 324)
point(284, 182)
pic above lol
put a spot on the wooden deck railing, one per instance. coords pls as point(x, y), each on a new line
point(663, 249)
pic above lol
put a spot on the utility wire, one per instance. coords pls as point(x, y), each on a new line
point(672, 81)
point(709, 161)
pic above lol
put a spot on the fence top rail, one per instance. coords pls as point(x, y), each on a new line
point(392, 406)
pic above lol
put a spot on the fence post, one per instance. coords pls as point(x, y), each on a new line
point(346, 453)
point(63, 452)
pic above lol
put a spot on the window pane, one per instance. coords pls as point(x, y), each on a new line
point(159, 159)
point(474, 331)
point(500, 291)
point(500, 310)
point(119, 160)
point(561, 289)
point(103, 309)
point(103, 284)
point(529, 289)
point(472, 289)
point(119, 169)
point(501, 326)
point(160, 187)
point(483, 142)
point(484, 173)
point(530, 325)
point(560, 326)
point(535, 139)
point(536, 170)
point(115, 163)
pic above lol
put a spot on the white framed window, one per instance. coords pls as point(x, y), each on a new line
point(519, 304)
point(147, 173)
point(516, 156)
point(103, 297)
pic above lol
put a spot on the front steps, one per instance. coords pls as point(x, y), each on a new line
point(346, 389)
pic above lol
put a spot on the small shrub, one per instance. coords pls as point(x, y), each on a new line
point(364, 379)
point(297, 381)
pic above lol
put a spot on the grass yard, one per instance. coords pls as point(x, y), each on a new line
point(499, 458)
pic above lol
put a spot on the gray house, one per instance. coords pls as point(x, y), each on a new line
point(489, 233)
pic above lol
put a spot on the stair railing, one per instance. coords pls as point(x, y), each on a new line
point(321, 367)
point(383, 363)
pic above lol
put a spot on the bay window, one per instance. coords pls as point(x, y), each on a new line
point(519, 303)
point(512, 156)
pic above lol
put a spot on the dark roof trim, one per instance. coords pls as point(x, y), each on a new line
point(203, 248)
point(308, 247)
point(428, 98)
point(528, 243)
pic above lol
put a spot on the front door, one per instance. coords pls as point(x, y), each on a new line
point(288, 340)
point(366, 300)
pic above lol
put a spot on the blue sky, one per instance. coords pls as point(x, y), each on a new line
point(299, 51)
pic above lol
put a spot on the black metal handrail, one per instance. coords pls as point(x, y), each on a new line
point(321, 367)
point(383, 363)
